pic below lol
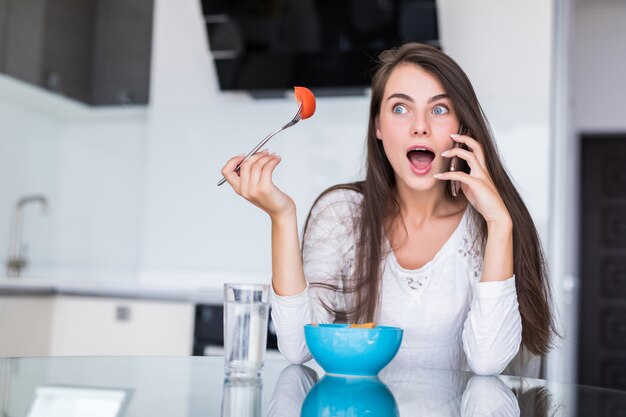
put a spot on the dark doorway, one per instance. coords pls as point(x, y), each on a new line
point(602, 311)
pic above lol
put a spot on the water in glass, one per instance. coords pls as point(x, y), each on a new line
point(245, 333)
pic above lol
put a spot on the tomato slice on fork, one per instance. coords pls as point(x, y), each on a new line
point(305, 97)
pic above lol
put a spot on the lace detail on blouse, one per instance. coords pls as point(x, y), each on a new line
point(472, 253)
point(415, 283)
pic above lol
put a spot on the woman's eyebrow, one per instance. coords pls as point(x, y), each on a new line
point(438, 97)
point(402, 96)
point(409, 98)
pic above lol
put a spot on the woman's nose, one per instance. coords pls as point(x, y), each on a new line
point(420, 127)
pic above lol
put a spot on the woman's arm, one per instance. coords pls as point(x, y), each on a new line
point(498, 257)
point(483, 195)
point(290, 302)
point(254, 183)
point(324, 250)
point(287, 271)
point(492, 332)
point(293, 303)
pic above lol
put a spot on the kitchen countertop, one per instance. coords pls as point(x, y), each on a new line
point(196, 294)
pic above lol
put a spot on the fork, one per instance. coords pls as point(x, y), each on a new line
point(254, 150)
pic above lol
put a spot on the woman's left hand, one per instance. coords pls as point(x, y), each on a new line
point(477, 186)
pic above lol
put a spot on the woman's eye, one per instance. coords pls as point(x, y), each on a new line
point(438, 110)
point(399, 109)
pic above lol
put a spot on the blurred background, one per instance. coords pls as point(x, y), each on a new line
point(117, 116)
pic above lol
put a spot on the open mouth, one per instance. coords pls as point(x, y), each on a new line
point(421, 159)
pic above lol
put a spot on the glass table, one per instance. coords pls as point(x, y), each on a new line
point(195, 386)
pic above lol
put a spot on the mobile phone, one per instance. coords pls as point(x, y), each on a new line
point(457, 164)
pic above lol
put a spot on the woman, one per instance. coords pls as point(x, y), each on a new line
point(463, 276)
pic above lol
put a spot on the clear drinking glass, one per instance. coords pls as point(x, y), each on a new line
point(246, 315)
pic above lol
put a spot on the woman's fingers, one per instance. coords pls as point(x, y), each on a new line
point(477, 186)
point(480, 192)
point(459, 176)
point(472, 145)
point(245, 171)
point(256, 171)
point(254, 183)
point(229, 173)
point(473, 188)
point(231, 164)
point(467, 156)
point(265, 182)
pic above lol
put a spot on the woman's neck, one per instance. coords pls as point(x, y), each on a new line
point(421, 206)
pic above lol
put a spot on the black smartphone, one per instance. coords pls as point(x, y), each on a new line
point(458, 164)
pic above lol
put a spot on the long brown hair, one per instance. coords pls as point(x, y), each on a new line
point(379, 206)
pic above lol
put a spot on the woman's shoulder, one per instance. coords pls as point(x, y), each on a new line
point(339, 198)
point(337, 206)
point(333, 214)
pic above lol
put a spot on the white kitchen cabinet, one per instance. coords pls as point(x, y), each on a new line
point(25, 325)
point(86, 325)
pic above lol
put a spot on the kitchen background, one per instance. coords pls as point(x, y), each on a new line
point(131, 189)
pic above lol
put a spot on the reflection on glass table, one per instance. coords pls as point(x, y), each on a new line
point(335, 395)
point(196, 386)
point(53, 401)
point(399, 392)
point(428, 392)
point(242, 397)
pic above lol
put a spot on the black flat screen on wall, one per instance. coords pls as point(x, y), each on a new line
point(327, 45)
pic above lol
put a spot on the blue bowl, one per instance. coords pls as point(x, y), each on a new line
point(341, 350)
point(340, 396)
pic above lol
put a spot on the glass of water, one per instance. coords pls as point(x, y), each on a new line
point(246, 315)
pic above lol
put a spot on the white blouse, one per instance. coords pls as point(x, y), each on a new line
point(450, 319)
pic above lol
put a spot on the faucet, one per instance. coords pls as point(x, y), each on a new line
point(16, 261)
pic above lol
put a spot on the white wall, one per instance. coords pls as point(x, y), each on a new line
point(598, 62)
point(598, 88)
point(89, 164)
point(29, 164)
point(101, 184)
point(136, 194)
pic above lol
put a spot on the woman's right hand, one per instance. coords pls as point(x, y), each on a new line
point(254, 183)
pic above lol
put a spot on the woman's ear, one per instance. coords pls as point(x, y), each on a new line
point(377, 124)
